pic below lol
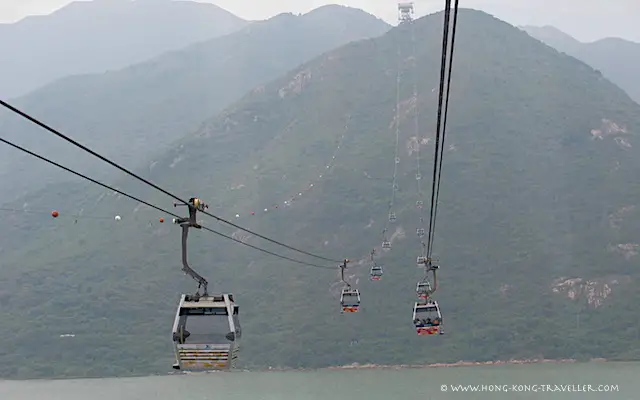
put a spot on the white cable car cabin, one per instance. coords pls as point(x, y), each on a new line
point(376, 273)
point(427, 319)
point(386, 244)
point(350, 300)
point(423, 290)
point(206, 333)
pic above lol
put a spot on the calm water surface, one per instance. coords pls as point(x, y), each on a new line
point(619, 381)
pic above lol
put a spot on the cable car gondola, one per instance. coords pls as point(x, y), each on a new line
point(350, 300)
point(427, 318)
point(423, 290)
point(376, 273)
point(350, 297)
point(206, 333)
point(206, 329)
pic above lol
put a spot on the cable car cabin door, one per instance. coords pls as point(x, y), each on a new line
point(206, 334)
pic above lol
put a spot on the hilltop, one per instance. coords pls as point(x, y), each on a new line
point(96, 36)
point(135, 112)
point(616, 58)
point(535, 231)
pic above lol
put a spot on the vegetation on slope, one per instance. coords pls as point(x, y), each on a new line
point(135, 112)
point(536, 173)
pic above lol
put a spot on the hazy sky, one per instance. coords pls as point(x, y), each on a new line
point(586, 20)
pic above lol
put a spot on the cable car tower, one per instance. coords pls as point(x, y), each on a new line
point(405, 12)
point(206, 329)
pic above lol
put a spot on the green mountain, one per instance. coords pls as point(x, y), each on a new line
point(616, 58)
point(100, 35)
point(137, 111)
point(535, 230)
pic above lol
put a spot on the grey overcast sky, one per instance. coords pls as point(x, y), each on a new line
point(586, 20)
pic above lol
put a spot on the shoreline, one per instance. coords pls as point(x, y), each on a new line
point(354, 366)
point(435, 365)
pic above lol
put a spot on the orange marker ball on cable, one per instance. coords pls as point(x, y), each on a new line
point(54, 214)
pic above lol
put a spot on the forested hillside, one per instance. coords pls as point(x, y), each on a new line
point(535, 229)
point(137, 111)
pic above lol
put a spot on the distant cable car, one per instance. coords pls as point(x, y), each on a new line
point(423, 290)
point(376, 273)
point(427, 318)
point(206, 333)
point(420, 232)
point(420, 260)
point(392, 217)
point(386, 244)
point(350, 300)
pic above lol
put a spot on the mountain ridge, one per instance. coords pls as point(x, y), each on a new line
point(616, 58)
point(68, 44)
point(138, 110)
point(523, 237)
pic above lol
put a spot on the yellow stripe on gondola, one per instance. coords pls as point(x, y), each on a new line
point(205, 365)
